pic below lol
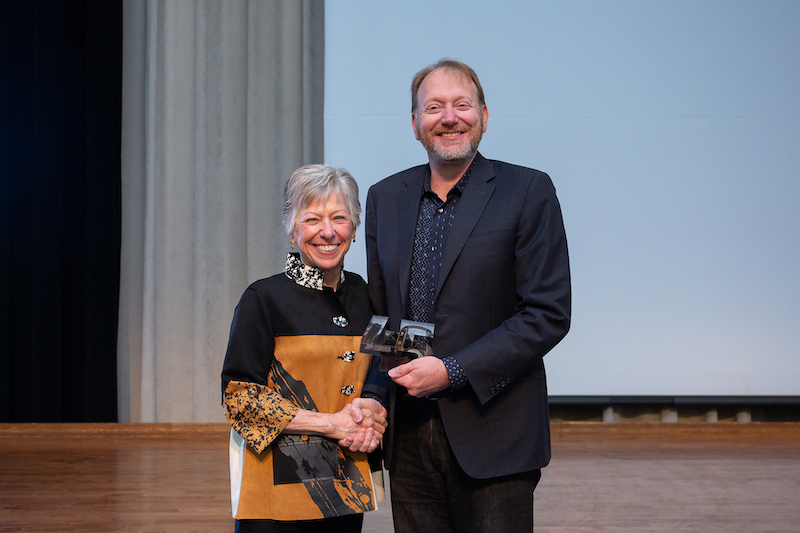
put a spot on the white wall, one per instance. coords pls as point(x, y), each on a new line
point(671, 130)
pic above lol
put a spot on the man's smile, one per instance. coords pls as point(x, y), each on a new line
point(449, 133)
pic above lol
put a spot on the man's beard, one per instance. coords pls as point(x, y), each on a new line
point(465, 153)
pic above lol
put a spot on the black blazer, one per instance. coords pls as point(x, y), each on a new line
point(502, 302)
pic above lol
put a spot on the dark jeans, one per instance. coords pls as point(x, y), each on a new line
point(340, 524)
point(432, 494)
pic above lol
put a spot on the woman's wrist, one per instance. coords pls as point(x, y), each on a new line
point(311, 423)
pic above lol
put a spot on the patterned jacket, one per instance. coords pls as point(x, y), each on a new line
point(294, 344)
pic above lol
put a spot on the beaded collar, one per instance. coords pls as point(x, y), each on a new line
point(304, 275)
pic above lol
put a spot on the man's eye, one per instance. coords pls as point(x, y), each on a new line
point(433, 109)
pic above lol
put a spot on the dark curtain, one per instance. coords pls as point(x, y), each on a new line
point(60, 116)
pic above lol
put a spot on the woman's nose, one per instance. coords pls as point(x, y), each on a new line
point(326, 230)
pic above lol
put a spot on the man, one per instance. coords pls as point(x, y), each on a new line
point(476, 247)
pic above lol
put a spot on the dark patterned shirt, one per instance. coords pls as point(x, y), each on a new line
point(434, 220)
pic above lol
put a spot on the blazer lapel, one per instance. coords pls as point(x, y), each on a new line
point(407, 209)
point(477, 192)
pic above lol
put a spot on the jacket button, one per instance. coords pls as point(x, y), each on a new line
point(348, 356)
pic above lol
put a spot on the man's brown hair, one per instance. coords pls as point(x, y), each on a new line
point(449, 64)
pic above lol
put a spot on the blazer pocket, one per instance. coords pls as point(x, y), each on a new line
point(489, 238)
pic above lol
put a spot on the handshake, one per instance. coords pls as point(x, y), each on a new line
point(361, 424)
point(415, 339)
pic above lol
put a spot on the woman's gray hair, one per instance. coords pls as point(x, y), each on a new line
point(312, 183)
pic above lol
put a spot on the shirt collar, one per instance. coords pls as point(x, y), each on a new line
point(458, 187)
point(304, 275)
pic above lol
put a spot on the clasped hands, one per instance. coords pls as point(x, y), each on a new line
point(360, 425)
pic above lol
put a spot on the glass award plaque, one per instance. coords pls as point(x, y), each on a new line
point(415, 339)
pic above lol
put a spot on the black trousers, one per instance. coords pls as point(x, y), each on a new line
point(340, 524)
point(432, 494)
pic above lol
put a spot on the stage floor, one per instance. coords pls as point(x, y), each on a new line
point(604, 477)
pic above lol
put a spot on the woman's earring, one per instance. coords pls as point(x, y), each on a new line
point(292, 245)
point(354, 239)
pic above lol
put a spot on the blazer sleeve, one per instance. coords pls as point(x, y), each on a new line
point(514, 349)
point(376, 382)
point(377, 285)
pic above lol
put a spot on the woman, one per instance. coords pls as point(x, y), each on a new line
point(293, 371)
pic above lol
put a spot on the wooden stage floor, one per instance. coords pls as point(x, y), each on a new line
point(604, 477)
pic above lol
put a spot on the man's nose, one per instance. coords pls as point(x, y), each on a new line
point(449, 115)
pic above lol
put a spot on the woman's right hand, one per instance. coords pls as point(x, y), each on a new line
point(363, 423)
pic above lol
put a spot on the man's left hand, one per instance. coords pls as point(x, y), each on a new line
point(421, 377)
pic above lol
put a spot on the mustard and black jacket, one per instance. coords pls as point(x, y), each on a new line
point(295, 344)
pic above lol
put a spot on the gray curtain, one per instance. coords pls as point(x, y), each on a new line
point(222, 100)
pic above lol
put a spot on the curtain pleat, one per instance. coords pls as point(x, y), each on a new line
point(221, 102)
